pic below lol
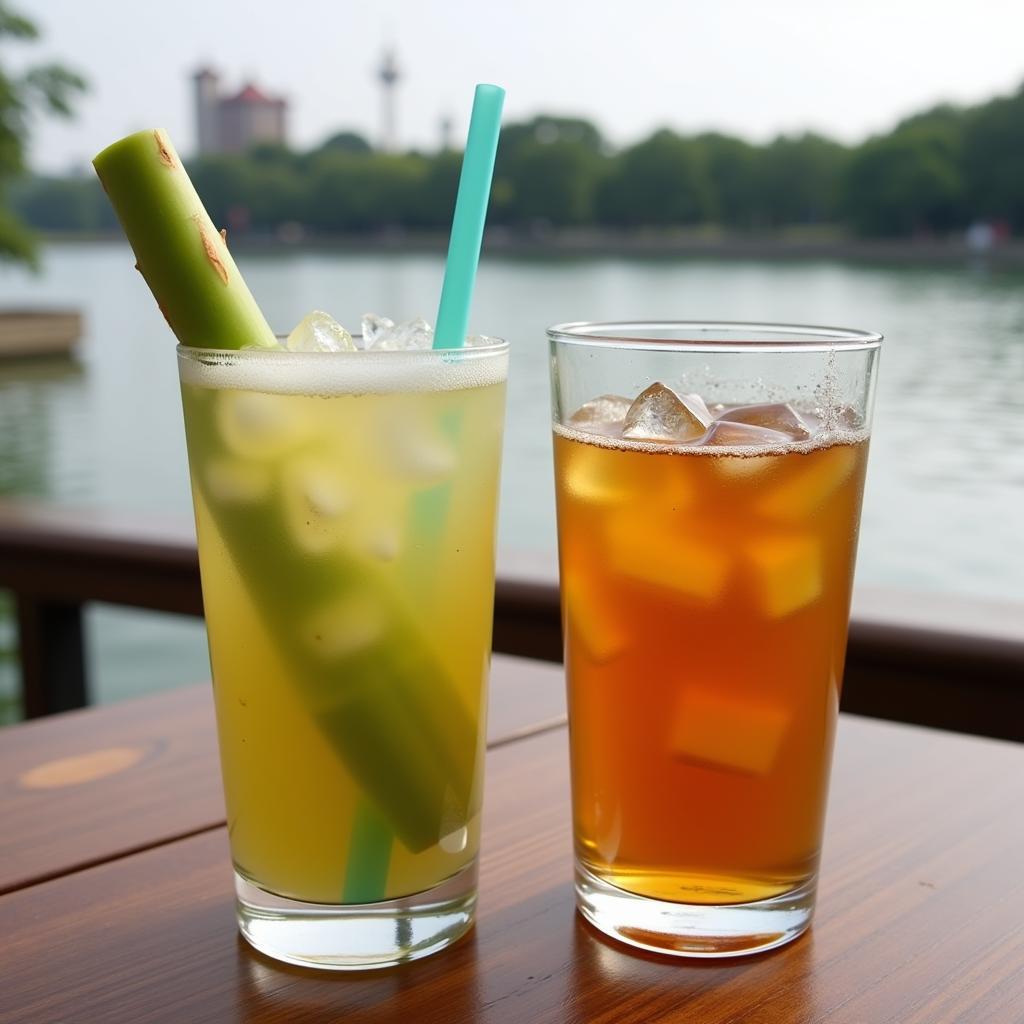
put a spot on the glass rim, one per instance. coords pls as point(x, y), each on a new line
point(721, 336)
point(423, 354)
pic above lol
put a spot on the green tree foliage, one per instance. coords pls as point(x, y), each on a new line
point(346, 192)
point(908, 182)
point(660, 181)
point(44, 88)
point(731, 166)
point(546, 172)
point(993, 160)
point(797, 180)
point(934, 173)
point(345, 142)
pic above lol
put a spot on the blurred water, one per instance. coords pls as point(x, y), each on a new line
point(946, 479)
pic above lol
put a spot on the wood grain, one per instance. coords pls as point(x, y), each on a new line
point(919, 919)
point(81, 788)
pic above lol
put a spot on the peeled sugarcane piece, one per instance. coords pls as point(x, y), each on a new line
point(182, 256)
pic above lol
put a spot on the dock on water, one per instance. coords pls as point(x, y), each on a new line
point(31, 333)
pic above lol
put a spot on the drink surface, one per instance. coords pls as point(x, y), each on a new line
point(706, 596)
point(346, 537)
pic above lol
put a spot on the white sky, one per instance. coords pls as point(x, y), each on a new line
point(752, 67)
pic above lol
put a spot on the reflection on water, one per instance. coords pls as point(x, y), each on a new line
point(36, 398)
point(947, 461)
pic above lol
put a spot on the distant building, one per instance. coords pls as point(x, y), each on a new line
point(231, 124)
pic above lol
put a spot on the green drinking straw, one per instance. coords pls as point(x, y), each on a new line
point(470, 213)
point(370, 850)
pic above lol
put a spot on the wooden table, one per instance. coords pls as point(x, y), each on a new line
point(117, 902)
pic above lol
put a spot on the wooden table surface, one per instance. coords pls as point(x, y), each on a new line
point(117, 902)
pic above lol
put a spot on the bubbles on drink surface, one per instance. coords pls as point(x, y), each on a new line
point(320, 332)
point(663, 415)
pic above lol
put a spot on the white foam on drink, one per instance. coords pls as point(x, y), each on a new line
point(327, 374)
point(821, 440)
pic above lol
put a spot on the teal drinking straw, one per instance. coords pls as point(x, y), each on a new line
point(470, 213)
point(369, 857)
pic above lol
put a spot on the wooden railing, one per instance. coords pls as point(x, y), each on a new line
point(952, 664)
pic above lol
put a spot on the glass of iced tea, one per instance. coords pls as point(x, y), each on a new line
point(709, 480)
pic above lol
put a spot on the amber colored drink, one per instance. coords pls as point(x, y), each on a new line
point(707, 597)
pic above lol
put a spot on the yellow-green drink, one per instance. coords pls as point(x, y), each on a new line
point(345, 510)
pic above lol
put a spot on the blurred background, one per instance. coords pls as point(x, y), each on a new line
point(795, 162)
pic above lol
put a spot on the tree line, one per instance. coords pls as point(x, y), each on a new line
point(934, 173)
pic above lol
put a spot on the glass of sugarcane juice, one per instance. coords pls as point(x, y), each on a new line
point(345, 510)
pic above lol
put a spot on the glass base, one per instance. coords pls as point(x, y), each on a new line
point(690, 929)
point(357, 937)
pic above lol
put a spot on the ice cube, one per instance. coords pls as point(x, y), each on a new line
point(781, 417)
point(452, 826)
point(455, 842)
point(727, 730)
point(233, 481)
point(481, 341)
point(662, 556)
point(723, 433)
point(811, 486)
point(735, 466)
point(602, 415)
point(787, 572)
point(259, 426)
point(320, 332)
point(412, 335)
point(384, 542)
point(373, 326)
point(660, 414)
point(316, 503)
point(345, 627)
point(594, 474)
point(592, 620)
point(607, 834)
point(417, 449)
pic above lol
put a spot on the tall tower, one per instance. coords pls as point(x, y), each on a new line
point(388, 75)
point(446, 126)
point(207, 101)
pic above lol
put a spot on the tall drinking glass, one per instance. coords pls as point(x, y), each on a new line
point(709, 481)
point(345, 512)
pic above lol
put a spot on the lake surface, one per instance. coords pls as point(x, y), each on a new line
point(945, 490)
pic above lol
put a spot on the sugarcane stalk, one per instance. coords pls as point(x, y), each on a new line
point(389, 710)
point(182, 256)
